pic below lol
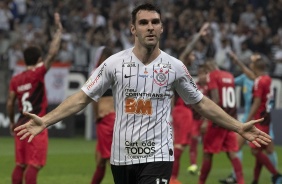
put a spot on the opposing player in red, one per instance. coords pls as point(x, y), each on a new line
point(28, 89)
point(221, 89)
point(105, 118)
point(261, 107)
point(182, 123)
point(196, 132)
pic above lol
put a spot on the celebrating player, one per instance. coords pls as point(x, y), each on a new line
point(221, 89)
point(28, 89)
point(105, 117)
point(143, 79)
point(261, 107)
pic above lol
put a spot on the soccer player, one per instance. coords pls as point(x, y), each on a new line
point(221, 89)
point(28, 89)
point(246, 83)
point(104, 114)
point(182, 123)
point(143, 79)
point(197, 129)
point(261, 107)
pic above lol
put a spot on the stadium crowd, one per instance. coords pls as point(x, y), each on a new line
point(245, 26)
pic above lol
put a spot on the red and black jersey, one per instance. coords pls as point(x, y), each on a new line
point(224, 82)
point(262, 90)
point(29, 88)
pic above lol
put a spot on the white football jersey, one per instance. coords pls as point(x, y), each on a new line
point(142, 96)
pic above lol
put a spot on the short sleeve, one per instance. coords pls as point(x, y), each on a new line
point(186, 86)
point(100, 80)
point(40, 71)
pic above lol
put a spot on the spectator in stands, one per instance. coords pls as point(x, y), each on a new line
point(5, 16)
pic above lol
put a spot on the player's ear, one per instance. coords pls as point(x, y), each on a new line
point(162, 28)
point(133, 30)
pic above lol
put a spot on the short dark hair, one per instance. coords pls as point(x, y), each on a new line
point(145, 6)
point(31, 55)
point(261, 63)
point(107, 52)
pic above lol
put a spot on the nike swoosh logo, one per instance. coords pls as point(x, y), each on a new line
point(127, 76)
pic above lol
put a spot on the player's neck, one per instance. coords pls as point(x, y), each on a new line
point(260, 73)
point(146, 55)
point(30, 67)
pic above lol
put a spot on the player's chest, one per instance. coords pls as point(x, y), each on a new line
point(153, 76)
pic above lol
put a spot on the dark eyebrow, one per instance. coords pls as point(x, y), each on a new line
point(156, 20)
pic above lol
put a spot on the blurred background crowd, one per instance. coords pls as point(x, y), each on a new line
point(245, 26)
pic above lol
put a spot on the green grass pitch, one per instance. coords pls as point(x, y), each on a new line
point(71, 161)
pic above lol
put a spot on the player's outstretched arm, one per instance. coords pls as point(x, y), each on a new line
point(242, 66)
point(55, 44)
point(203, 31)
point(210, 110)
point(71, 105)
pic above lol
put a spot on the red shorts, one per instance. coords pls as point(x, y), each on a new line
point(218, 139)
point(264, 129)
point(182, 124)
point(196, 126)
point(33, 153)
point(104, 128)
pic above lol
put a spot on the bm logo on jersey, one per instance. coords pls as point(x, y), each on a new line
point(161, 76)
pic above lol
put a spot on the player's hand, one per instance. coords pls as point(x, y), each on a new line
point(31, 128)
point(204, 29)
point(253, 134)
point(255, 57)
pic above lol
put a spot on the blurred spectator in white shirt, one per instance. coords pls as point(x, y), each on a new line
point(22, 9)
point(278, 63)
point(15, 54)
point(65, 55)
point(5, 16)
point(248, 17)
point(221, 55)
point(95, 19)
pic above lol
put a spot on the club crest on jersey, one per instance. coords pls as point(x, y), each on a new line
point(161, 76)
point(129, 64)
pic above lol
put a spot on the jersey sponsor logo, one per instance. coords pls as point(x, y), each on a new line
point(161, 76)
point(128, 76)
point(145, 76)
point(192, 82)
point(134, 94)
point(90, 83)
point(164, 65)
point(140, 149)
point(227, 80)
point(129, 64)
point(138, 106)
point(24, 87)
